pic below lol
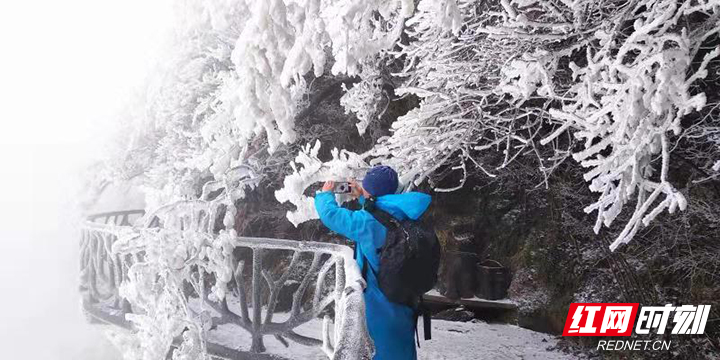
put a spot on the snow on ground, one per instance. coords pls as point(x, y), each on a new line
point(480, 340)
point(234, 337)
point(450, 340)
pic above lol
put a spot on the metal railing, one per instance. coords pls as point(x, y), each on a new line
point(297, 282)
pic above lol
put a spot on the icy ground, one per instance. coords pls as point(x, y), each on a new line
point(451, 340)
point(479, 340)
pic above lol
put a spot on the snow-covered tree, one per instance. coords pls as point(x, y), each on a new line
point(617, 87)
point(614, 78)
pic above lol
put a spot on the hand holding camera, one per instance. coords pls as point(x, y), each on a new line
point(344, 187)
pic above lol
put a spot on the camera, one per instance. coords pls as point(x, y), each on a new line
point(342, 188)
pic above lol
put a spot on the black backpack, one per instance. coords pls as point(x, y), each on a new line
point(409, 261)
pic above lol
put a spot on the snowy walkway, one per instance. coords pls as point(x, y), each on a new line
point(451, 340)
point(479, 340)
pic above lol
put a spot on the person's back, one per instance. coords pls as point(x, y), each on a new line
point(391, 325)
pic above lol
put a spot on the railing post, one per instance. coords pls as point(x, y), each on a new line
point(257, 338)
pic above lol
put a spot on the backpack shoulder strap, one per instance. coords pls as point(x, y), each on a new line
point(380, 215)
point(427, 317)
point(365, 268)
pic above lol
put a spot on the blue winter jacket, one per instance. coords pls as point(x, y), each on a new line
point(391, 325)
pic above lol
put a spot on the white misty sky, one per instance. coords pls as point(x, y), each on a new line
point(65, 68)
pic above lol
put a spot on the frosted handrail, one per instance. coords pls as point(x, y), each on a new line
point(329, 288)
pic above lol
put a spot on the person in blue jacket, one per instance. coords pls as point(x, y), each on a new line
point(391, 325)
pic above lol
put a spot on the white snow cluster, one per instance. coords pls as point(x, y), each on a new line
point(527, 76)
point(364, 98)
point(480, 83)
point(284, 40)
point(628, 103)
point(344, 165)
point(154, 288)
point(234, 78)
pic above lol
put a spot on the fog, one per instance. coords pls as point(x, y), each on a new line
point(40, 304)
point(67, 68)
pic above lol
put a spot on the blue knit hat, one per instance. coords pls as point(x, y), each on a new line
point(380, 180)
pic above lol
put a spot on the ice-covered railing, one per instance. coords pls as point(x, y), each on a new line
point(101, 271)
point(298, 293)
